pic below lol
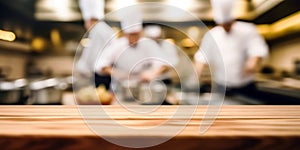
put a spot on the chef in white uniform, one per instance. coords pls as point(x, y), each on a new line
point(132, 56)
point(166, 48)
point(99, 36)
point(240, 47)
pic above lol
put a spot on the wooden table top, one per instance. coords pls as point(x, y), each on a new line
point(67, 127)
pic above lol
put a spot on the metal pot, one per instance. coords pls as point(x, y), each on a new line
point(152, 93)
point(129, 90)
point(144, 93)
point(13, 92)
point(47, 91)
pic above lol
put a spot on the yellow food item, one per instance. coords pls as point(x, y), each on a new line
point(92, 95)
point(87, 94)
point(105, 96)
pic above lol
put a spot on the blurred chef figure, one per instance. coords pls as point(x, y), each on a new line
point(166, 48)
point(131, 56)
point(99, 36)
point(240, 47)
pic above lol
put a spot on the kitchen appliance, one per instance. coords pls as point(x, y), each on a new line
point(152, 93)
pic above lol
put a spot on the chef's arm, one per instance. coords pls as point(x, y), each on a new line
point(151, 74)
point(199, 66)
point(115, 73)
point(106, 70)
point(90, 23)
point(253, 65)
point(161, 70)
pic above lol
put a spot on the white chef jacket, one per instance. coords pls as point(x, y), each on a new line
point(99, 37)
point(234, 49)
point(170, 52)
point(130, 59)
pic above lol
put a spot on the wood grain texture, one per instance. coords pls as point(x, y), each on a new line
point(65, 127)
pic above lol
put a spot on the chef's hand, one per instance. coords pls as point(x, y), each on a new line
point(115, 73)
point(119, 75)
point(147, 76)
point(151, 74)
point(90, 23)
point(252, 66)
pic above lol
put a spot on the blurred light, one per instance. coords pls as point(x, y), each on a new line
point(38, 44)
point(51, 82)
point(122, 3)
point(55, 37)
point(261, 6)
point(7, 35)
point(288, 22)
point(282, 27)
point(183, 4)
point(170, 40)
point(187, 42)
point(62, 10)
point(257, 2)
point(20, 82)
point(58, 6)
point(264, 29)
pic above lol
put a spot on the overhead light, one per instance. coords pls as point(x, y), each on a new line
point(7, 35)
point(38, 44)
point(122, 3)
point(57, 10)
point(290, 24)
point(261, 6)
point(185, 5)
point(55, 37)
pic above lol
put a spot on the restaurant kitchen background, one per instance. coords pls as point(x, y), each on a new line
point(39, 39)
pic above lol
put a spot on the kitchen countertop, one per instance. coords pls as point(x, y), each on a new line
point(279, 89)
point(63, 127)
point(295, 93)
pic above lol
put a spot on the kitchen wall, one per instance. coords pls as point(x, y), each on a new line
point(282, 57)
point(57, 65)
point(15, 61)
point(284, 54)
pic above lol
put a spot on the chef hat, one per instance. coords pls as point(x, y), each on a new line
point(152, 31)
point(223, 10)
point(92, 9)
point(131, 21)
